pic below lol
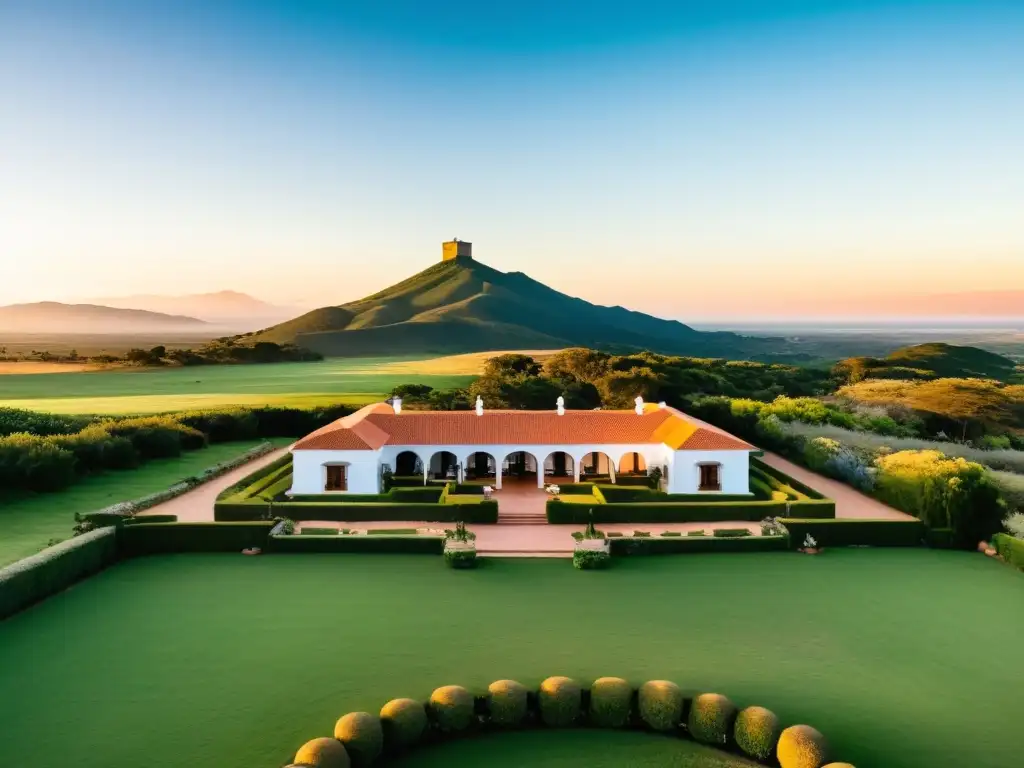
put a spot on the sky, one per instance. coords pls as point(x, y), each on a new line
point(692, 159)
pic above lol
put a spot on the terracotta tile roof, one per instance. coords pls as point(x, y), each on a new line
point(377, 425)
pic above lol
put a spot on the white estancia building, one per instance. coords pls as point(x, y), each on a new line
point(352, 454)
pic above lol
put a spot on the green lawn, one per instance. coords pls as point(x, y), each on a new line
point(904, 658)
point(554, 749)
point(170, 389)
point(27, 523)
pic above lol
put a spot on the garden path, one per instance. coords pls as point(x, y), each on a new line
point(196, 506)
point(850, 503)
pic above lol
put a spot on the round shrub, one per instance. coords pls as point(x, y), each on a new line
point(507, 703)
point(403, 722)
point(362, 735)
point(801, 746)
point(560, 699)
point(452, 708)
point(322, 753)
point(757, 732)
point(711, 718)
point(839, 765)
point(661, 704)
point(610, 699)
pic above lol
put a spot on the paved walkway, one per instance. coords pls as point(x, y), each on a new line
point(850, 503)
point(196, 506)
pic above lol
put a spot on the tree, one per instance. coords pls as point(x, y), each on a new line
point(512, 364)
point(577, 364)
point(412, 392)
point(620, 388)
point(448, 400)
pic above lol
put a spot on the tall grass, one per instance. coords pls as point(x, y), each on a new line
point(1006, 460)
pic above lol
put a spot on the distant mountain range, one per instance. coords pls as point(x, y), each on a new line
point(463, 305)
point(229, 310)
point(54, 317)
point(932, 361)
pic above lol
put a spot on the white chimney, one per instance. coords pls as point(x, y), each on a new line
point(560, 405)
point(479, 406)
point(639, 406)
point(396, 403)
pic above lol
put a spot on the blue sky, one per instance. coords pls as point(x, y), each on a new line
point(692, 159)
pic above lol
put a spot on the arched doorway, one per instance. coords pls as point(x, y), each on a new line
point(444, 465)
point(632, 464)
point(521, 466)
point(408, 464)
point(597, 466)
point(480, 466)
point(559, 467)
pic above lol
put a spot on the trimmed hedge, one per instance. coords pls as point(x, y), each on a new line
point(756, 732)
point(559, 700)
point(323, 753)
point(711, 718)
point(847, 533)
point(668, 512)
point(425, 494)
point(660, 704)
point(1010, 549)
point(631, 545)
point(404, 722)
point(362, 735)
point(153, 538)
point(450, 708)
point(507, 703)
point(56, 568)
point(407, 545)
point(801, 746)
point(611, 701)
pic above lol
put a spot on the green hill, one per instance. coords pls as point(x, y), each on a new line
point(463, 305)
point(929, 361)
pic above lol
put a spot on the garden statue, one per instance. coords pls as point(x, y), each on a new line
point(639, 405)
point(560, 405)
point(479, 406)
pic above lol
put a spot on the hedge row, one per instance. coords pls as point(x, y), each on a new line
point(153, 538)
point(784, 479)
point(628, 545)
point(411, 545)
point(481, 512)
point(256, 481)
point(56, 568)
point(362, 739)
point(667, 512)
point(846, 533)
point(1010, 549)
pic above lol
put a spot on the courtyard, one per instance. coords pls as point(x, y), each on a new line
point(225, 660)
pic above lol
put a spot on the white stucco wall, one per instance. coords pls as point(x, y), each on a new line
point(684, 470)
point(309, 474)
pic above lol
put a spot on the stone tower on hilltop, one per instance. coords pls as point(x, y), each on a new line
point(456, 249)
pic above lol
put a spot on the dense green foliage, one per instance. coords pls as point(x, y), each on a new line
point(847, 533)
point(711, 718)
point(362, 735)
point(672, 545)
point(1011, 549)
point(559, 700)
point(54, 569)
point(153, 538)
point(660, 705)
point(507, 703)
point(756, 732)
point(611, 701)
point(927, 361)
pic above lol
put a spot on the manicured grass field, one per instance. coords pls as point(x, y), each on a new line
point(121, 391)
point(27, 523)
point(904, 658)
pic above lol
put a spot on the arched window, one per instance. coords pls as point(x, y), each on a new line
point(710, 477)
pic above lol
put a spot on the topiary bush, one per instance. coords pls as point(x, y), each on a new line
point(660, 703)
point(322, 753)
point(839, 765)
point(362, 735)
point(403, 722)
point(711, 718)
point(507, 702)
point(610, 702)
point(560, 700)
point(801, 746)
point(451, 708)
point(757, 732)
